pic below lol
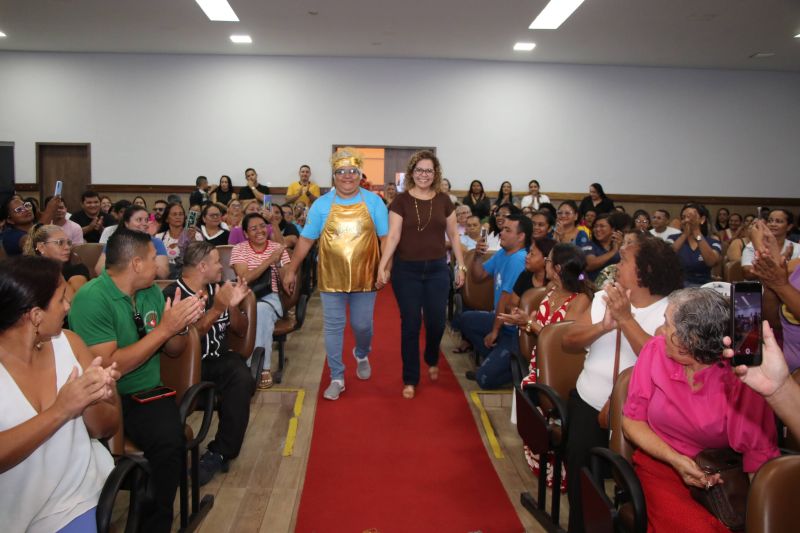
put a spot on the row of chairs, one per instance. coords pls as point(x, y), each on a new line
point(542, 421)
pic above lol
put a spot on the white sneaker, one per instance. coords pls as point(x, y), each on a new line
point(363, 370)
point(334, 390)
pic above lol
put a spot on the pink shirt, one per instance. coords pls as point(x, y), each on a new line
point(73, 232)
point(723, 412)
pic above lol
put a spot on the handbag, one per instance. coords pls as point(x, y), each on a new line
point(603, 417)
point(727, 500)
point(263, 285)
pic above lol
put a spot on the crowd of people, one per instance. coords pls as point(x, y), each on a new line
point(632, 284)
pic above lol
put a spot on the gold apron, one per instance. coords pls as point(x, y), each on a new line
point(348, 250)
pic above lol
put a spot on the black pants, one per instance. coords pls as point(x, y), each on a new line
point(584, 433)
point(235, 388)
point(421, 289)
point(155, 427)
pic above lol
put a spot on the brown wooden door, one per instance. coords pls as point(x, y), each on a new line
point(68, 162)
point(396, 159)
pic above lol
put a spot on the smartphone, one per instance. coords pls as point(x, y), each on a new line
point(746, 323)
point(153, 394)
point(484, 233)
point(267, 201)
point(59, 186)
point(191, 219)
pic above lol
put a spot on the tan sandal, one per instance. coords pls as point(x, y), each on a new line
point(433, 373)
point(408, 392)
point(266, 380)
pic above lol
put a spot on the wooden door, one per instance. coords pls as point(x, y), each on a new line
point(396, 159)
point(68, 162)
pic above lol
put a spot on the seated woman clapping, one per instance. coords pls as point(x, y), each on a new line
point(56, 400)
point(50, 241)
point(682, 400)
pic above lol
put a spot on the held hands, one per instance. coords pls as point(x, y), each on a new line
point(618, 306)
point(79, 392)
point(460, 278)
point(384, 278)
point(180, 313)
point(230, 294)
point(772, 374)
point(517, 317)
point(692, 475)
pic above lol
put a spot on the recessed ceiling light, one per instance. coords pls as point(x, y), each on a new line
point(554, 14)
point(218, 10)
point(241, 39)
point(524, 47)
point(761, 55)
point(797, 36)
point(2, 34)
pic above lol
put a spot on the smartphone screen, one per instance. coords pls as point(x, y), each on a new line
point(267, 201)
point(153, 394)
point(483, 233)
point(59, 186)
point(746, 323)
point(191, 219)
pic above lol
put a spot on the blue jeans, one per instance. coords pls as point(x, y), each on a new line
point(495, 371)
point(268, 311)
point(334, 313)
point(421, 289)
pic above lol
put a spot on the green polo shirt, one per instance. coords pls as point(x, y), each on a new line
point(102, 313)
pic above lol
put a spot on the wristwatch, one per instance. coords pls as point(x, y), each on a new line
point(462, 268)
point(529, 326)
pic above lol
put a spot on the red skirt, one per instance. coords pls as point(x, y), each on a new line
point(670, 506)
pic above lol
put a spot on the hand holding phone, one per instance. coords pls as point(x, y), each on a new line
point(267, 201)
point(59, 186)
point(746, 323)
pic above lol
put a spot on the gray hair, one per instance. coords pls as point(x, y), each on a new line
point(701, 318)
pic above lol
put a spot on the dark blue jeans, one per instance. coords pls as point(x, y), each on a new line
point(421, 289)
point(495, 371)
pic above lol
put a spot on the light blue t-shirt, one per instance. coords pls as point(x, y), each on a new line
point(505, 269)
point(320, 209)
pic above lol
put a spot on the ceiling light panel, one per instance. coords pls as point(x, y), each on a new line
point(241, 39)
point(2, 34)
point(524, 47)
point(218, 10)
point(554, 14)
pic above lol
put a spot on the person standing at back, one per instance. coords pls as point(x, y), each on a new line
point(91, 220)
point(419, 218)
point(253, 190)
point(302, 190)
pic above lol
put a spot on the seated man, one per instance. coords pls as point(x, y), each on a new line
point(124, 319)
point(201, 274)
point(493, 341)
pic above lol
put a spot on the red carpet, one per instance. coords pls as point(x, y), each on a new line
point(381, 463)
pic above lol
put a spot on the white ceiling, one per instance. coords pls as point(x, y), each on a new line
point(680, 33)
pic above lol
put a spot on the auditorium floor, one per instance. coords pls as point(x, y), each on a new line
point(261, 492)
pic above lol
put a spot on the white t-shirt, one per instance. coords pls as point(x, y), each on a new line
point(107, 233)
point(749, 253)
point(62, 478)
point(528, 201)
point(666, 234)
point(596, 380)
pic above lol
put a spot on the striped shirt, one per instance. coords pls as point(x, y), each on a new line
point(243, 254)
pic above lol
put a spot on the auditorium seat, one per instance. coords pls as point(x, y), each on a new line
point(225, 258)
point(294, 312)
point(89, 253)
point(529, 303)
point(772, 499)
point(131, 473)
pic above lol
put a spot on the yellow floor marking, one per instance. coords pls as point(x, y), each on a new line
point(487, 425)
point(291, 433)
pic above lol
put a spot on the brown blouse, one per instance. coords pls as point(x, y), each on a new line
point(424, 226)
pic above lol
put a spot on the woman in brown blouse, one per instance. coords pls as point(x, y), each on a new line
point(419, 218)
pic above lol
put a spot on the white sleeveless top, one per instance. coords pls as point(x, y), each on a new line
point(63, 477)
point(596, 380)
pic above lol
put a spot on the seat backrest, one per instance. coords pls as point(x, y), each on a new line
point(529, 303)
point(558, 368)
point(225, 258)
point(772, 499)
point(477, 296)
point(288, 301)
point(245, 344)
point(89, 253)
point(619, 394)
point(734, 272)
point(183, 371)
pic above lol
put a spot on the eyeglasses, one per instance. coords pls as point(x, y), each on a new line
point(213, 215)
point(565, 213)
point(346, 171)
point(424, 171)
point(60, 242)
point(139, 321)
point(27, 206)
point(256, 227)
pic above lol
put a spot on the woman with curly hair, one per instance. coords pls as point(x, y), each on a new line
point(625, 314)
point(419, 218)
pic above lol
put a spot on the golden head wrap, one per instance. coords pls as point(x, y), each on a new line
point(346, 157)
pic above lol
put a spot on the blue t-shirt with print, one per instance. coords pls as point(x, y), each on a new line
point(505, 268)
point(320, 209)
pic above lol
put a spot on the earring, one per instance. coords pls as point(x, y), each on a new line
point(37, 344)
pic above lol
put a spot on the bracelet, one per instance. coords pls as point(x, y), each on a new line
point(462, 268)
point(529, 326)
point(184, 332)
